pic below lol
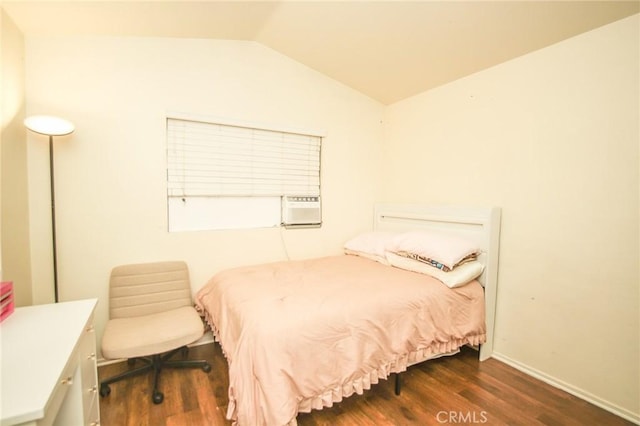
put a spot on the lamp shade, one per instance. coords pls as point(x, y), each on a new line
point(48, 125)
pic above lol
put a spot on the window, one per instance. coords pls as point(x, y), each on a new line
point(224, 176)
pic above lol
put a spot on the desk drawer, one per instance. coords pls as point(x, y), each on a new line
point(92, 418)
point(88, 367)
point(63, 407)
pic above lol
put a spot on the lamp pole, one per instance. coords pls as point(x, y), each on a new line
point(53, 221)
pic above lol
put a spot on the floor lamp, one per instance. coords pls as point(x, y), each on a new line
point(51, 126)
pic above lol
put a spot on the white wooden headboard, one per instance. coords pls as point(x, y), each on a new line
point(481, 225)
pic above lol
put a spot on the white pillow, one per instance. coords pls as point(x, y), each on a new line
point(377, 258)
point(458, 277)
point(446, 249)
point(371, 244)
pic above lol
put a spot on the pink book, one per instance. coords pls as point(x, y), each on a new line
point(6, 299)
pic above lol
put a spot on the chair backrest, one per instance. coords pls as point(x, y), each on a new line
point(148, 288)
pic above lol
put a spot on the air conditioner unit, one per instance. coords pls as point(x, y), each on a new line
point(301, 211)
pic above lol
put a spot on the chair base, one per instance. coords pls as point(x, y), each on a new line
point(154, 363)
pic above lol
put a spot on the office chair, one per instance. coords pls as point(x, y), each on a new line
point(151, 318)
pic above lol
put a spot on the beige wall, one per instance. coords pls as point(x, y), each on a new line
point(14, 224)
point(110, 173)
point(553, 139)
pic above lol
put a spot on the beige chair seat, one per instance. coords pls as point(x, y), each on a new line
point(151, 334)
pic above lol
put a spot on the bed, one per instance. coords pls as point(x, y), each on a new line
point(302, 335)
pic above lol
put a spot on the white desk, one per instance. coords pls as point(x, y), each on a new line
point(48, 373)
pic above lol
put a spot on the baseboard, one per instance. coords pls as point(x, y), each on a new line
point(573, 390)
point(206, 338)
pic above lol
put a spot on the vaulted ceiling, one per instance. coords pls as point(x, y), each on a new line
point(388, 50)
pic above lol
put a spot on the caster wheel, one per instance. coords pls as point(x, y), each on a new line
point(158, 397)
point(185, 352)
point(206, 368)
point(105, 390)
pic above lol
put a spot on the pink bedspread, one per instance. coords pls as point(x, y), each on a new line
point(304, 334)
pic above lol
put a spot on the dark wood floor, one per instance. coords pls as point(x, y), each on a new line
point(450, 390)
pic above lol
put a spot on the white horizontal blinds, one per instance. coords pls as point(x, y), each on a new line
point(208, 159)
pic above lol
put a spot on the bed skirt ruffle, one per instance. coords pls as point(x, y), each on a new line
point(400, 364)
